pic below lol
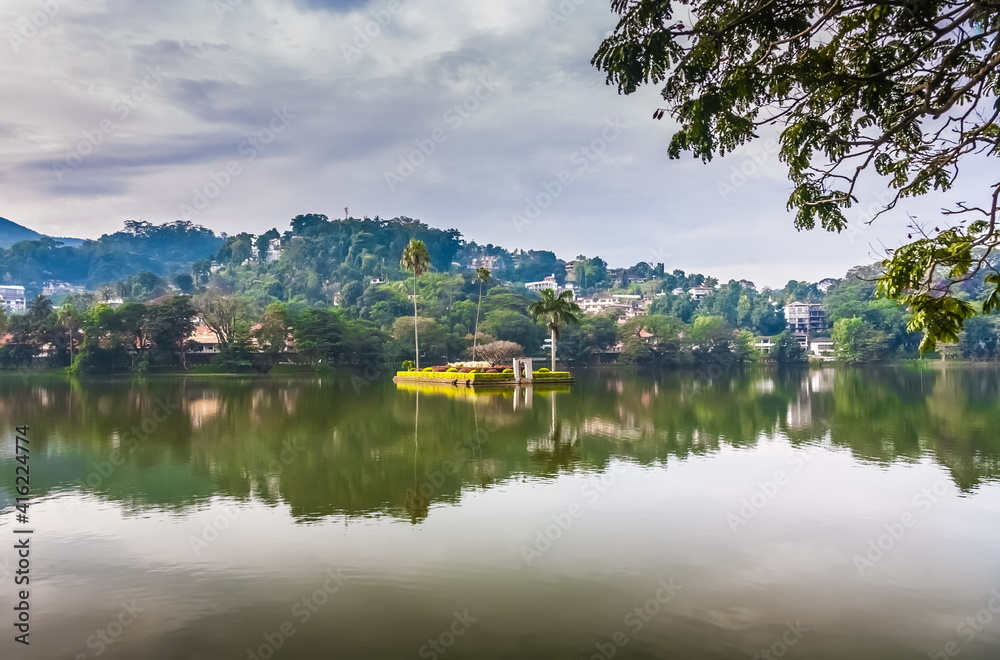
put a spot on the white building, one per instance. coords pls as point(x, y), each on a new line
point(489, 263)
point(806, 317)
point(822, 349)
point(699, 292)
point(548, 283)
point(630, 306)
point(273, 250)
point(52, 288)
point(12, 299)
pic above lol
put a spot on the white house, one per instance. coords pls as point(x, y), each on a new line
point(548, 283)
point(273, 250)
point(12, 299)
point(822, 348)
point(52, 288)
point(699, 292)
point(489, 263)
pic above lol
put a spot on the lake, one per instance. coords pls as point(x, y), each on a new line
point(817, 514)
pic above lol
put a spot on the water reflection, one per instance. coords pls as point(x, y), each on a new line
point(326, 449)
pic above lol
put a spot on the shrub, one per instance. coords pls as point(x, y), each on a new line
point(474, 371)
point(451, 370)
point(497, 352)
point(428, 369)
point(492, 371)
point(408, 365)
point(543, 370)
point(439, 368)
point(508, 370)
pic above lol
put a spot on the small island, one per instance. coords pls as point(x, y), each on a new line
point(521, 372)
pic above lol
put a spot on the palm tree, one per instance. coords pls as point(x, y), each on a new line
point(39, 307)
point(70, 318)
point(556, 311)
point(483, 276)
point(416, 259)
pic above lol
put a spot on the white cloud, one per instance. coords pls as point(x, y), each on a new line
point(224, 74)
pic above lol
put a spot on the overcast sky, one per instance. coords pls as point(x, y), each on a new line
point(241, 114)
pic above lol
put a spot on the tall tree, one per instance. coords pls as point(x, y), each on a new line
point(272, 335)
point(171, 324)
point(228, 317)
point(897, 90)
point(39, 307)
point(556, 311)
point(69, 318)
point(482, 276)
point(416, 260)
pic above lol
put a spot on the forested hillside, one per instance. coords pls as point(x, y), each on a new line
point(337, 288)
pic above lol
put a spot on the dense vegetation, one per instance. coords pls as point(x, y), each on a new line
point(338, 294)
point(897, 94)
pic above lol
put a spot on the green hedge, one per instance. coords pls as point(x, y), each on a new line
point(552, 375)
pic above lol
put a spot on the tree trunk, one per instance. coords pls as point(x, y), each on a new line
point(475, 334)
point(416, 339)
point(553, 349)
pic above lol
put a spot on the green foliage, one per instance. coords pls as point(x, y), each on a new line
point(511, 326)
point(857, 341)
point(786, 349)
point(892, 91)
point(318, 334)
point(141, 246)
point(981, 338)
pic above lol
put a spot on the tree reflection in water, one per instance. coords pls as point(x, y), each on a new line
point(374, 452)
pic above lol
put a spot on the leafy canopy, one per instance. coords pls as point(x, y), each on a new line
point(896, 89)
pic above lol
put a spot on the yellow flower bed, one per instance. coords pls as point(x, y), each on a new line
point(478, 377)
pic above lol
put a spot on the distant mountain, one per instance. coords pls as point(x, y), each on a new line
point(11, 232)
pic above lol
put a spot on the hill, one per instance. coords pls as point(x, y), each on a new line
point(11, 232)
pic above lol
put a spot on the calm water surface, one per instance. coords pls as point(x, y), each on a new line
point(811, 514)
